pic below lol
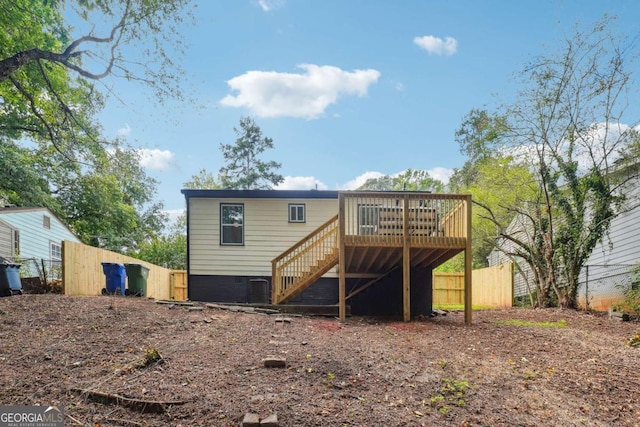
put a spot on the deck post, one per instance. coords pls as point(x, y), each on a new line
point(341, 259)
point(468, 265)
point(406, 262)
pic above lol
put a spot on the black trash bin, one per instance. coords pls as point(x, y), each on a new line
point(137, 274)
point(10, 282)
point(116, 278)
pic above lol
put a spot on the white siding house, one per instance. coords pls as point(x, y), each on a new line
point(32, 234)
point(607, 272)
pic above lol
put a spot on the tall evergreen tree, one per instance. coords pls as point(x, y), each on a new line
point(244, 169)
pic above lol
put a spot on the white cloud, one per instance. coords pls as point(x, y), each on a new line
point(156, 159)
point(308, 94)
point(437, 46)
point(301, 183)
point(269, 5)
point(126, 130)
point(441, 174)
point(360, 180)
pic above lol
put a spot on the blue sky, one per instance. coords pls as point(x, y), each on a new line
point(347, 89)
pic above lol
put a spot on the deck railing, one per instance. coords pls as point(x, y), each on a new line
point(378, 219)
point(305, 261)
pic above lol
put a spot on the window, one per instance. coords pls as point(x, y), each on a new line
point(46, 222)
point(368, 219)
point(56, 251)
point(296, 213)
point(16, 242)
point(231, 224)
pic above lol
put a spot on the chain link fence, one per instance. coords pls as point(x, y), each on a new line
point(602, 286)
point(39, 275)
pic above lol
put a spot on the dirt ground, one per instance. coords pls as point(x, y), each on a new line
point(83, 352)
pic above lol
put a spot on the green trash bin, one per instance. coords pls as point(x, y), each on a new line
point(137, 274)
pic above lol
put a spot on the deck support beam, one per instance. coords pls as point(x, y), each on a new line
point(467, 267)
point(406, 263)
point(342, 301)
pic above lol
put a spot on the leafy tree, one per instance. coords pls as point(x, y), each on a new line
point(52, 152)
point(478, 138)
point(18, 173)
point(204, 180)
point(167, 251)
point(498, 186)
point(568, 125)
point(409, 180)
point(48, 72)
point(244, 169)
point(113, 205)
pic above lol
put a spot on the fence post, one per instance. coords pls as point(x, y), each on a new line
point(586, 289)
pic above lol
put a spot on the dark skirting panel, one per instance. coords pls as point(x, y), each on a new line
point(382, 299)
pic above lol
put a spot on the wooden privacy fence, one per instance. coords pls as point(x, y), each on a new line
point(492, 287)
point(82, 273)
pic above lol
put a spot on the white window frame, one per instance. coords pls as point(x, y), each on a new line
point(234, 224)
point(297, 212)
point(53, 245)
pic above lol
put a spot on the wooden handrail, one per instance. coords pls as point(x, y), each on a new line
point(306, 239)
point(303, 263)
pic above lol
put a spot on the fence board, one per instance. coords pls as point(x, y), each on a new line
point(448, 288)
point(179, 285)
point(82, 272)
point(492, 287)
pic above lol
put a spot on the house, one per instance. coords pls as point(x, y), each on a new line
point(608, 270)
point(32, 233)
point(375, 250)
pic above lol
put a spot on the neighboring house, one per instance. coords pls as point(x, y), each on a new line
point(607, 272)
point(32, 233)
point(9, 240)
point(375, 250)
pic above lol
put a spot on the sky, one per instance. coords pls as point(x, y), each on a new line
point(347, 89)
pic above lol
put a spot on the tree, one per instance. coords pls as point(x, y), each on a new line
point(53, 154)
point(167, 250)
point(48, 72)
point(477, 138)
point(409, 180)
point(112, 206)
point(244, 169)
point(568, 124)
point(204, 180)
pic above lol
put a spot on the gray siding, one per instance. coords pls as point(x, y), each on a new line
point(622, 244)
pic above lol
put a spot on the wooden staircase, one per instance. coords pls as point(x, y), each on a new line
point(301, 265)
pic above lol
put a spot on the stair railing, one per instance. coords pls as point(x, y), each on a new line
point(303, 260)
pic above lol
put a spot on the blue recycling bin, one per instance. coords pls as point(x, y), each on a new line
point(116, 278)
point(10, 282)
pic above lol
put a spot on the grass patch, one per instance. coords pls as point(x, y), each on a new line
point(517, 322)
point(453, 307)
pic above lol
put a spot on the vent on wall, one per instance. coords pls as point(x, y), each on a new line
point(46, 222)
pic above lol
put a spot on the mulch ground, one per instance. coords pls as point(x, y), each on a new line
point(115, 361)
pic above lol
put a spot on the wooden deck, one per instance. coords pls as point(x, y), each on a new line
point(375, 233)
